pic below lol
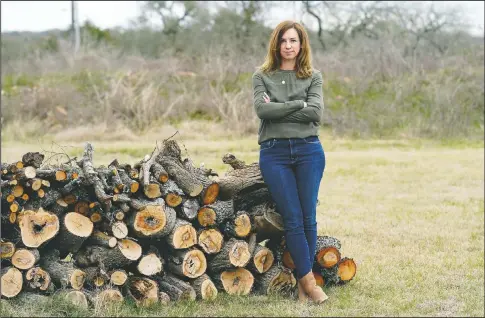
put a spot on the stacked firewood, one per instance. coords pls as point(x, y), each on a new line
point(157, 231)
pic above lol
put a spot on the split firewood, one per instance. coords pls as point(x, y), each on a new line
point(188, 209)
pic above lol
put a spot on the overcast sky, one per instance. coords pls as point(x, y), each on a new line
point(45, 15)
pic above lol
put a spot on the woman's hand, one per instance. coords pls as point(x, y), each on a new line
point(266, 98)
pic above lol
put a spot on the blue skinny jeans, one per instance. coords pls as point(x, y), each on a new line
point(292, 169)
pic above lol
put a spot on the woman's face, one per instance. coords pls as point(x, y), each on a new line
point(290, 45)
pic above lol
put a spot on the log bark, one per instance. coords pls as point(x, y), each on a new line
point(243, 177)
point(96, 277)
point(277, 279)
point(101, 239)
point(189, 263)
point(327, 251)
point(125, 253)
point(142, 290)
point(216, 213)
point(33, 159)
point(176, 288)
point(63, 274)
point(239, 227)
point(75, 229)
point(188, 209)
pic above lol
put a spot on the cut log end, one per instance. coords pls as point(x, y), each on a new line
point(119, 230)
point(118, 277)
point(195, 264)
point(38, 278)
point(208, 290)
point(328, 257)
point(130, 249)
point(319, 279)
point(346, 269)
point(173, 200)
point(109, 296)
point(24, 259)
point(242, 225)
point(77, 298)
point(7, 249)
point(237, 282)
point(211, 240)
point(77, 279)
point(78, 224)
point(11, 282)
point(185, 236)
point(206, 216)
point(211, 194)
point(150, 265)
point(150, 220)
point(38, 227)
point(152, 190)
point(239, 255)
point(263, 260)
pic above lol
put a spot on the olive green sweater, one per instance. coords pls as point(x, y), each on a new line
point(285, 115)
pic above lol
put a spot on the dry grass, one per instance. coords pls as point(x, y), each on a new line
point(410, 213)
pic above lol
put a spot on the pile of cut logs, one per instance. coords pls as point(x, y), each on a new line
point(157, 231)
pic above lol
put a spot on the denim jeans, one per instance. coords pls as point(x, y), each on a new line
point(292, 170)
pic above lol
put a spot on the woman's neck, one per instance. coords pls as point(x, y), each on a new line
point(288, 65)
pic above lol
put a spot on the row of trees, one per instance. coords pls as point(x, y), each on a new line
point(191, 26)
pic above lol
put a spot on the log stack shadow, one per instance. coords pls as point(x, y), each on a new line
point(157, 231)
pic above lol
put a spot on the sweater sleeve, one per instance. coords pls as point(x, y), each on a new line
point(271, 110)
point(313, 111)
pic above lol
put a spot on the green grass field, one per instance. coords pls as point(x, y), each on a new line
point(410, 213)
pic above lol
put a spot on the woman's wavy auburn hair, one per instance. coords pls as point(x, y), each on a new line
point(273, 58)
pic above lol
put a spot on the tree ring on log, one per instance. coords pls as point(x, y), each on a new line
point(194, 264)
point(263, 260)
point(78, 224)
point(37, 277)
point(11, 282)
point(150, 265)
point(328, 257)
point(211, 241)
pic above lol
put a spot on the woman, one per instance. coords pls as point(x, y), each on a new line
point(288, 100)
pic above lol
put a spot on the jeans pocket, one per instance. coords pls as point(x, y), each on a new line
point(311, 140)
point(268, 144)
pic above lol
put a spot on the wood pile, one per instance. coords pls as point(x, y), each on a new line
point(159, 230)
